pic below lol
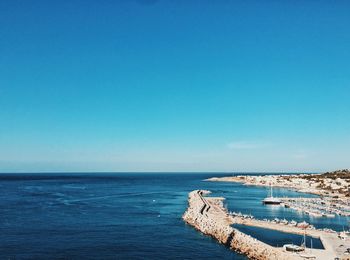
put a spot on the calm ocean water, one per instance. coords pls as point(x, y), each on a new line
point(120, 216)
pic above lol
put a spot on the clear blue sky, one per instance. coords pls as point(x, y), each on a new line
point(174, 85)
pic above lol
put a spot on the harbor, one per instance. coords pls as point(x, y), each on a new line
point(331, 189)
point(317, 207)
point(209, 216)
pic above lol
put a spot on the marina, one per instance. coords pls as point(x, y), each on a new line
point(278, 238)
point(209, 216)
point(317, 207)
point(332, 198)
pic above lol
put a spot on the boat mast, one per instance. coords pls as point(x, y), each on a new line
point(304, 241)
point(271, 190)
point(311, 246)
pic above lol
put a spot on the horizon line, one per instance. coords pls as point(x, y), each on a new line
point(148, 172)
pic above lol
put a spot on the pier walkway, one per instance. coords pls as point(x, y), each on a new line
point(208, 215)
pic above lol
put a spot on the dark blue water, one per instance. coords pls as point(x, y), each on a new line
point(268, 236)
point(118, 216)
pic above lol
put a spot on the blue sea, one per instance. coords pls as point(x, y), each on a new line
point(122, 215)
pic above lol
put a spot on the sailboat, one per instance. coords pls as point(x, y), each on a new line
point(271, 200)
point(305, 254)
point(296, 248)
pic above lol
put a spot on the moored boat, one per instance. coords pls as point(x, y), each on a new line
point(293, 248)
point(271, 200)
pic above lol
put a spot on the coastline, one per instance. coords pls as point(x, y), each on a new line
point(208, 215)
point(334, 184)
point(254, 180)
point(332, 189)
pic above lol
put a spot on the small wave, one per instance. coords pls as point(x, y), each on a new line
point(66, 202)
point(31, 187)
point(58, 194)
point(113, 196)
point(71, 186)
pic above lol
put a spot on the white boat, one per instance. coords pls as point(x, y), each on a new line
point(308, 255)
point(284, 221)
point(293, 223)
point(271, 200)
point(343, 235)
point(296, 248)
point(293, 248)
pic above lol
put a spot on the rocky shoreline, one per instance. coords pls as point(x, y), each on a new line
point(210, 217)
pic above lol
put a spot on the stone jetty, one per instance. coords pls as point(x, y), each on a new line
point(208, 215)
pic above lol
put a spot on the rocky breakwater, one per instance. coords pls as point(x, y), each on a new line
point(198, 216)
point(208, 215)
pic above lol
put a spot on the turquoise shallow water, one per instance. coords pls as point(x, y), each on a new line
point(119, 216)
